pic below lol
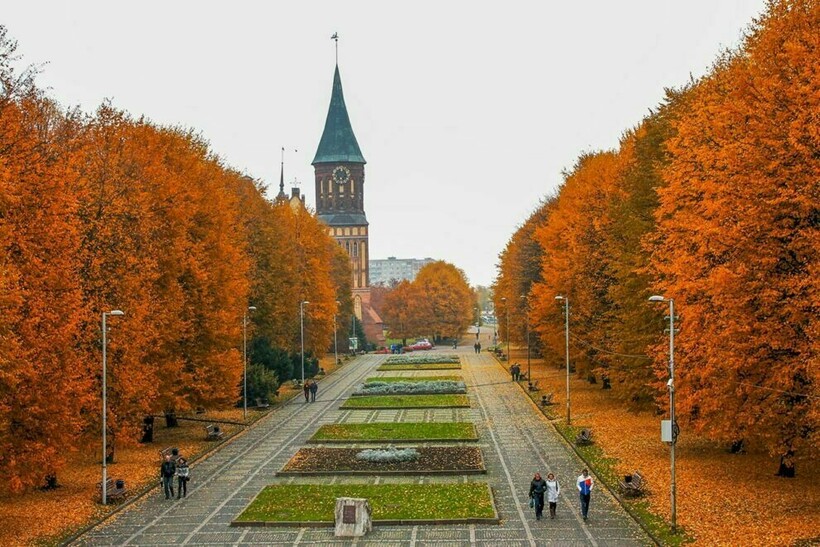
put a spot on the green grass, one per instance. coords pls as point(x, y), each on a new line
point(317, 502)
point(408, 401)
point(393, 379)
point(423, 366)
point(402, 431)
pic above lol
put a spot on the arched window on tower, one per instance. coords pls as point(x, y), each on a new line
point(355, 248)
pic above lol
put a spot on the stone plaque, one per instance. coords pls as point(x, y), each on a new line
point(349, 514)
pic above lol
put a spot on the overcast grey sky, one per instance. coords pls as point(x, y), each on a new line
point(466, 112)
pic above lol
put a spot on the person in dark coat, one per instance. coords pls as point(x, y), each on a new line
point(538, 487)
point(306, 389)
point(166, 472)
point(314, 388)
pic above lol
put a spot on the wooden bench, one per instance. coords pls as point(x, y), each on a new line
point(533, 386)
point(113, 492)
point(632, 486)
point(170, 451)
point(546, 400)
point(584, 437)
point(262, 403)
point(213, 433)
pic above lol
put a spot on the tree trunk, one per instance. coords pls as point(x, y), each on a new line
point(171, 419)
point(51, 482)
point(786, 469)
point(737, 447)
point(591, 379)
point(147, 430)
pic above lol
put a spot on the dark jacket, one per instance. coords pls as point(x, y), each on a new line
point(314, 387)
point(168, 469)
point(538, 487)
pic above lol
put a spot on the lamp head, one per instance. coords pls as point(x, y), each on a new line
point(251, 308)
point(559, 297)
point(657, 298)
point(503, 298)
point(116, 312)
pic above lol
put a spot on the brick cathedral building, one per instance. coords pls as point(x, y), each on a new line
point(339, 171)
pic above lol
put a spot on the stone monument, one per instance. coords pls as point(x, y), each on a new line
point(353, 517)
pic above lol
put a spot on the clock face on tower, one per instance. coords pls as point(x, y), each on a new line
point(341, 175)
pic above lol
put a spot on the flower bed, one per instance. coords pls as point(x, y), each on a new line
point(420, 366)
point(410, 387)
point(395, 432)
point(423, 359)
point(388, 379)
point(391, 503)
point(457, 460)
point(407, 401)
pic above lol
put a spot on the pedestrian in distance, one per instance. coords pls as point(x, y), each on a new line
point(553, 491)
point(166, 473)
point(183, 475)
point(314, 388)
point(306, 389)
point(538, 488)
point(478, 347)
point(475, 347)
point(585, 485)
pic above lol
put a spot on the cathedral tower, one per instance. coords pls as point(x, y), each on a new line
point(339, 170)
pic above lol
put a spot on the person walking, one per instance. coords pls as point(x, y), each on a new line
point(553, 491)
point(478, 347)
point(166, 473)
point(538, 487)
point(306, 389)
point(183, 474)
point(585, 485)
point(314, 388)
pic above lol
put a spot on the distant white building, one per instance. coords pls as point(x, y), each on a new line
point(384, 272)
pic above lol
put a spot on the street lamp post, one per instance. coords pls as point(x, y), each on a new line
point(105, 314)
point(566, 345)
point(245, 362)
point(507, 308)
point(335, 339)
point(527, 319)
point(671, 386)
point(302, 330)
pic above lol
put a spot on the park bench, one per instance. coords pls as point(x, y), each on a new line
point(633, 485)
point(213, 433)
point(546, 400)
point(584, 437)
point(115, 490)
point(522, 377)
point(533, 386)
point(170, 451)
point(262, 403)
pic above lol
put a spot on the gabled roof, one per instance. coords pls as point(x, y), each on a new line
point(338, 143)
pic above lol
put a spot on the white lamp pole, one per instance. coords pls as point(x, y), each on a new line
point(566, 345)
point(527, 319)
point(245, 362)
point(671, 386)
point(335, 339)
point(302, 330)
point(104, 497)
point(507, 308)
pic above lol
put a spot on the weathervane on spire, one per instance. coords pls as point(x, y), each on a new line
point(335, 38)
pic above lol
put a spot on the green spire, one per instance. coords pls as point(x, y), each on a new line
point(338, 141)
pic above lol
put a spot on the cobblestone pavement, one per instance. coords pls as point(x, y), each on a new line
point(515, 438)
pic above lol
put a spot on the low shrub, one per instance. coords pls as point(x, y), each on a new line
point(390, 454)
point(412, 388)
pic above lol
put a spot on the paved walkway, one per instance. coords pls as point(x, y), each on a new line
point(515, 439)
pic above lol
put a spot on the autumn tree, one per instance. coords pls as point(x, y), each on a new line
point(399, 311)
point(737, 238)
point(444, 300)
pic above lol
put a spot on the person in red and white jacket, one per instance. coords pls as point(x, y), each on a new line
point(585, 484)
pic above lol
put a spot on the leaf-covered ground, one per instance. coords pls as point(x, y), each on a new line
point(420, 366)
point(402, 431)
point(407, 401)
point(431, 458)
point(722, 498)
point(393, 379)
point(309, 502)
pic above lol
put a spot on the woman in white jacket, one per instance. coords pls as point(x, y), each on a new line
point(553, 491)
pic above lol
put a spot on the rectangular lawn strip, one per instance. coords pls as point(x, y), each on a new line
point(399, 432)
point(432, 460)
point(391, 503)
point(422, 359)
point(407, 401)
point(421, 366)
point(393, 379)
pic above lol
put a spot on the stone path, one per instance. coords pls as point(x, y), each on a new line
point(516, 441)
